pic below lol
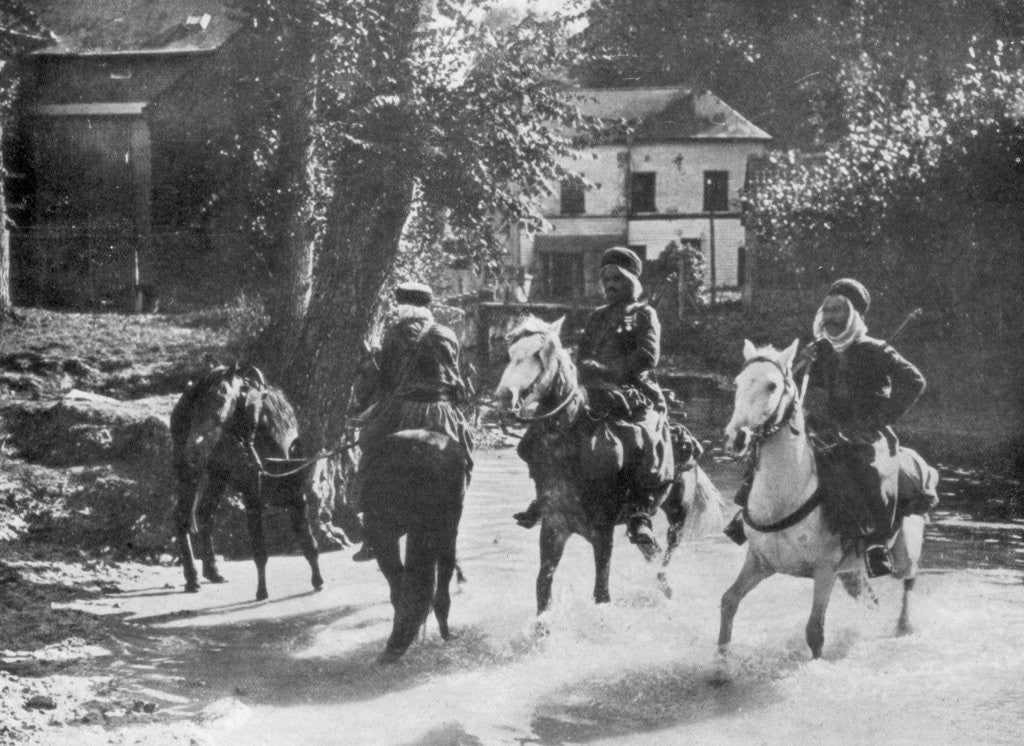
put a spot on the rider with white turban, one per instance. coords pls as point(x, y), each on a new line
point(858, 388)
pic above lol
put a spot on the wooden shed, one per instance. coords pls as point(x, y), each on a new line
point(106, 190)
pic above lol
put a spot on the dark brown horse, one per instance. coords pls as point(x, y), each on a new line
point(413, 485)
point(224, 429)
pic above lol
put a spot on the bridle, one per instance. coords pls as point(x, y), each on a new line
point(566, 401)
point(781, 416)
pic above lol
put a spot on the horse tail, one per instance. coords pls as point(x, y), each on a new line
point(706, 507)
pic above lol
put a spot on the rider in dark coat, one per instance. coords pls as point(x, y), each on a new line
point(858, 388)
point(617, 355)
point(418, 380)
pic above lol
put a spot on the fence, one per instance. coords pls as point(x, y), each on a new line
point(104, 268)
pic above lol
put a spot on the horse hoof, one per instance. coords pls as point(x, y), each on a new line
point(389, 656)
point(191, 587)
point(262, 595)
point(216, 578)
point(719, 679)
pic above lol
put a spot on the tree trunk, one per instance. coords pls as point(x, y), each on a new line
point(6, 309)
point(372, 194)
point(293, 263)
point(363, 233)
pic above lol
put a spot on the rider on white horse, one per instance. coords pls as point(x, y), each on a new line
point(858, 388)
point(619, 350)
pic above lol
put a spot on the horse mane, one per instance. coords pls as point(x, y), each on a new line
point(768, 351)
point(278, 410)
point(531, 325)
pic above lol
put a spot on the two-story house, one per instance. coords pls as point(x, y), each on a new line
point(673, 176)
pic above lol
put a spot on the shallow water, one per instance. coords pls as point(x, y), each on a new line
point(643, 669)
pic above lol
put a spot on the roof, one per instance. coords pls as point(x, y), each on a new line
point(555, 244)
point(103, 27)
point(669, 113)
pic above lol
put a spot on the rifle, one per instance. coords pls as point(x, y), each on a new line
point(806, 360)
point(656, 297)
point(912, 316)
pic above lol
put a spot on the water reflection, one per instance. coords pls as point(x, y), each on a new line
point(979, 524)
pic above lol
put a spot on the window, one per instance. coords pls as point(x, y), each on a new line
point(716, 191)
point(641, 192)
point(563, 276)
point(573, 198)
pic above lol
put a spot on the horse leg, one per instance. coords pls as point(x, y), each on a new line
point(445, 569)
point(209, 500)
point(254, 521)
point(753, 572)
point(552, 544)
point(674, 508)
point(415, 593)
point(387, 552)
point(307, 542)
point(824, 582)
point(906, 554)
point(184, 506)
point(602, 543)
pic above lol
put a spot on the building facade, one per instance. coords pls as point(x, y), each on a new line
point(672, 178)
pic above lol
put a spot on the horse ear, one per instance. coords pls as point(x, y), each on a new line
point(748, 349)
point(556, 327)
point(786, 358)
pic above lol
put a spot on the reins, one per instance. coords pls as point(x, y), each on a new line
point(302, 463)
point(776, 422)
point(773, 425)
point(569, 397)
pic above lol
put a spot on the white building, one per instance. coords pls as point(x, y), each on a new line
point(675, 177)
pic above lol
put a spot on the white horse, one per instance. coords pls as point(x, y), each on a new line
point(784, 518)
point(540, 378)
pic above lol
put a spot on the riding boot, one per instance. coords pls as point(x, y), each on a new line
point(877, 560)
point(365, 553)
point(531, 516)
point(639, 529)
point(734, 529)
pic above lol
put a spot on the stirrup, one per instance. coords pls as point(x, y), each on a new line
point(877, 561)
point(529, 517)
point(639, 529)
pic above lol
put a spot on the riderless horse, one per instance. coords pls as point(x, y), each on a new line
point(225, 429)
point(541, 377)
point(785, 517)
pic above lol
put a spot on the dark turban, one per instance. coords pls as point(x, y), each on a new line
point(413, 294)
point(854, 292)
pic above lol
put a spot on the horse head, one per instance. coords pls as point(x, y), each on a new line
point(764, 391)
point(535, 354)
point(214, 406)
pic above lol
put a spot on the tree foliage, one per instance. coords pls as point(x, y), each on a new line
point(782, 63)
point(924, 195)
point(368, 125)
